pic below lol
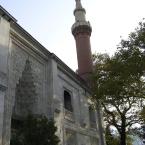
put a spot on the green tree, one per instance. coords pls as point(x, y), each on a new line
point(36, 131)
point(113, 139)
point(118, 85)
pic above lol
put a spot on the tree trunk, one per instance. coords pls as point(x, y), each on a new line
point(123, 131)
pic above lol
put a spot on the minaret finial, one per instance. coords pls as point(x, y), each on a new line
point(78, 4)
point(79, 12)
point(80, 19)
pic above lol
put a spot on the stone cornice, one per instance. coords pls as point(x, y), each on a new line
point(84, 131)
point(25, 42)
point(69, 72)
point(6, 15)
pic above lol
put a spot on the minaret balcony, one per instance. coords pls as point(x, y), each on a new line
point(81, 27)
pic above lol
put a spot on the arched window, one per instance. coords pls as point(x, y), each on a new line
point(67, 101)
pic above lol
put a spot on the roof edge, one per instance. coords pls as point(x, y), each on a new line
point(19, 28)
point(7, 15)
point(73, 75)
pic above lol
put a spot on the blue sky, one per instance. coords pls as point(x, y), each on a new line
point(50, 21)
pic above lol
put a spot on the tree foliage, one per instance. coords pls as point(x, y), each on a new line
point(142, 115)
point(119, 83)
point(113, 138)
point(110, 139)
point(36, 131)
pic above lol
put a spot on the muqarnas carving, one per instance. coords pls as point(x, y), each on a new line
point(25, 98)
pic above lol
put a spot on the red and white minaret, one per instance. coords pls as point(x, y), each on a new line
point(81, 31)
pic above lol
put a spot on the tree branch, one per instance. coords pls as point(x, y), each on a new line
point(113, 120)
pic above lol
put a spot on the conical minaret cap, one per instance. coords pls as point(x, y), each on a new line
point(79, 12)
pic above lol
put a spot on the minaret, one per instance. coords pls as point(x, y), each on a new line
point(81, 31)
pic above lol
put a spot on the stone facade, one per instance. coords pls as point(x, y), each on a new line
point(34, 80)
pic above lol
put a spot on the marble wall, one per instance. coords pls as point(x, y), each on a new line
point(77, 122)
point(4, 100)
point(18, 62)
point(47, 82)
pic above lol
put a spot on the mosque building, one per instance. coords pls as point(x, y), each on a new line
point(32, 79)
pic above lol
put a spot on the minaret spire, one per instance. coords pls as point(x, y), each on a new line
point(81, 31)
point(79, 11)
point(78, 4)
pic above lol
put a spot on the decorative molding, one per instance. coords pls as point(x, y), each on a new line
point(2, 88)
point(7, 15)
point(20, 40)
point(18, 33)
point(26, 91)
point(84, 131)
point(19, 56)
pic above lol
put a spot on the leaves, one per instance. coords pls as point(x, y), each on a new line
point(119, 83)
point(36, 131)
point(110, 139)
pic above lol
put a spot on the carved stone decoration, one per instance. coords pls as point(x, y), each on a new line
point(19, 56)
point(25, 96)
